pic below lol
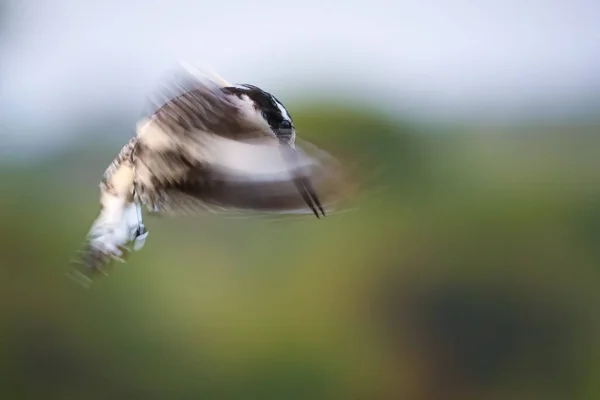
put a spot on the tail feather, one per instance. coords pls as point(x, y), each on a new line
point(118, 224)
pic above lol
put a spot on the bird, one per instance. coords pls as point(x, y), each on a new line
point(206, 146)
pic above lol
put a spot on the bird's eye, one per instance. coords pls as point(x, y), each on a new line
point(286, 125)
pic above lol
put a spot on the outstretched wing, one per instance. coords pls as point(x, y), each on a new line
point(206, 150)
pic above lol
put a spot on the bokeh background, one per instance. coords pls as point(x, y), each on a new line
point(467, 268)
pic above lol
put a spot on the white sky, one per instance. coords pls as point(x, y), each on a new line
point(448, 57)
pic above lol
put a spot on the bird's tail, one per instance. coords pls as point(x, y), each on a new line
point(118, 224)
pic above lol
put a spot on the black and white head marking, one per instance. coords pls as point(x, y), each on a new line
point(272, 110)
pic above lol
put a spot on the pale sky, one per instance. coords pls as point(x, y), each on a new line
point(443, 57)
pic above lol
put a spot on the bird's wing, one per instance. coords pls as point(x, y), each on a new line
point(204, 150)
point(256, 177)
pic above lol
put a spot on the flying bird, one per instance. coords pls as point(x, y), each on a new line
point(207, 145)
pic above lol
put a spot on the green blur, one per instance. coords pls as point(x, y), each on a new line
point(466, 268)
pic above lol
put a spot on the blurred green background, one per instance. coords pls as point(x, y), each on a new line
point(467, 268)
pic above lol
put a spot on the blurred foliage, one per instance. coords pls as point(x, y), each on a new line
point(467, 270)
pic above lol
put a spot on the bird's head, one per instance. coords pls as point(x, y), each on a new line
point(271, 109)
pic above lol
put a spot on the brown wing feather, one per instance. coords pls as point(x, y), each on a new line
point(190, 104)
point(210, 188)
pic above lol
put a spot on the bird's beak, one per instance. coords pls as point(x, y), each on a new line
point(303, 183)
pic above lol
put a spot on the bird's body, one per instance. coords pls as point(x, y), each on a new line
point(211, 146)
